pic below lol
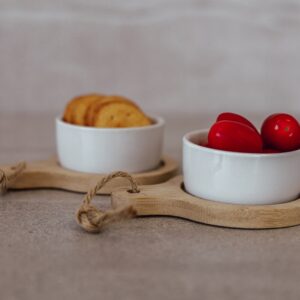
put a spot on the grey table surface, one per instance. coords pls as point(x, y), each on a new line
point(45, 255)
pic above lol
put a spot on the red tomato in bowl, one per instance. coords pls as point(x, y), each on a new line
point(270, 151)
point(281, 132)
point(228, 116)
point(206, 145)
point(234, 136)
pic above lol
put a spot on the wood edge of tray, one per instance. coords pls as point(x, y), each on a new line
point(169, 199)
point(49, 174)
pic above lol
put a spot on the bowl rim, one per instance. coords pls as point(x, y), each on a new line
point(187, 141)
point(159, 122)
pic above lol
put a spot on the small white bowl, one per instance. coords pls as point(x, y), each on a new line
point(239, 178)
point(104, 150)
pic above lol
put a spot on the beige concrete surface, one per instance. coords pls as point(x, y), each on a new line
point(45, 255)
point(175, 55)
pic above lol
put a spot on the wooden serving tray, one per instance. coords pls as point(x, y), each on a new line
point(170, 199)
point(49, 174)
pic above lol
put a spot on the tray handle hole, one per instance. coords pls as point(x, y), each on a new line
point(132, 192)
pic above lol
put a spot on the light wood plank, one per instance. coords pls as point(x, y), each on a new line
point(49, 174)
point(170, 199)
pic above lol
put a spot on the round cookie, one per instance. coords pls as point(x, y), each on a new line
point(91, 109)
point(68, 110)
point(95, 106)
point(79, 109)
point(117, 111)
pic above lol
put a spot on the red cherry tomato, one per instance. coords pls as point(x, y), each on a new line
point(234, 136)
point(270, 151)
point(281, 132)
point(206, 145)
point(228, 116)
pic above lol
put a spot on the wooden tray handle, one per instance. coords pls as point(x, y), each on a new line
point(50, 174)
point(9, 175)
point(93, 219)
point(170, 199)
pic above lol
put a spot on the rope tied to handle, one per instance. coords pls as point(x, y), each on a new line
point(5, 180)
point(93, 219)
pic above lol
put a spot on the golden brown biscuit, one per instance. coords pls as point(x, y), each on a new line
point(117, 111)
point(91, 109)
point(79, 109)
point(68, 111)
point(104, 111)
point(76, 109)
point(95, 106)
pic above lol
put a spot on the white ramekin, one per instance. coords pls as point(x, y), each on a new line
point(104, 150)
point(239, 178)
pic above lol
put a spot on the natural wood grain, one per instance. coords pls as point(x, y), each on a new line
point(49, 174)
point(170, 199)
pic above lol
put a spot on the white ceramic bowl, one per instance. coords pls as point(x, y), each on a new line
point(239, 178)
point(104, 150)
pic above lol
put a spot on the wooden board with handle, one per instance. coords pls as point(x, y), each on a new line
point(49, 174)
point(170, 199)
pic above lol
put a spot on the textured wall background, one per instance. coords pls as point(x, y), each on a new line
point(170, 55)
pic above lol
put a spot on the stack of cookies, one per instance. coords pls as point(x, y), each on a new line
point(103, 111)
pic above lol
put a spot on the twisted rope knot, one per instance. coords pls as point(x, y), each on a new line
point(93, 219)
point(5, 179)
point(3, 182)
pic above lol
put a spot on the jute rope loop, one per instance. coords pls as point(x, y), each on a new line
point(5, 179)
point(93, 219)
